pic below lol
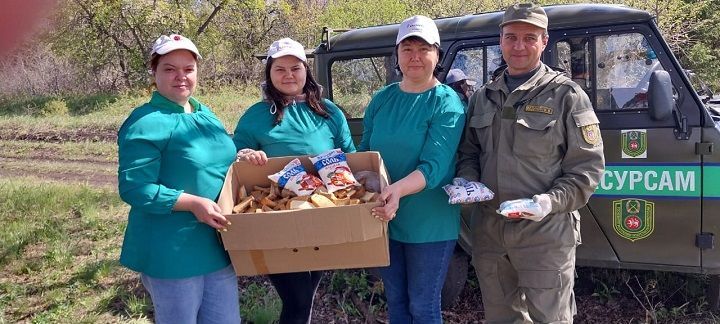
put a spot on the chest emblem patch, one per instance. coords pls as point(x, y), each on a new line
point(539, 109)
point(633, 219)
point(591, 134)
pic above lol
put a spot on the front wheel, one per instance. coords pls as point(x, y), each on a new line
point(455, 279)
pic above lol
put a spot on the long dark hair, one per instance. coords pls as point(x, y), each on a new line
point(311, 90)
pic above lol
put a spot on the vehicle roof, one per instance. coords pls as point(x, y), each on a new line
point(486, 25)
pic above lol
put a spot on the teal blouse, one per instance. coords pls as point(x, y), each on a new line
point(301, 132)
point(163, 152)
point(418, 131)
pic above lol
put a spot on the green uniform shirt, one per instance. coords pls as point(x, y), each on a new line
point(163, 152)
point(301, 132)
point(418, 131)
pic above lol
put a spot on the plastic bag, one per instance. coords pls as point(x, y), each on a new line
point(462, 191)
point(294, 177)
point(520, 208)
point(334, 170)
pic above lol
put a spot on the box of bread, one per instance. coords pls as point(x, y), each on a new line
point(305, 213)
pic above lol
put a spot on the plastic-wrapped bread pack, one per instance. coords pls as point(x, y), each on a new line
point(334, 170)
point(520, 208)
point(462, 191)
point(295, 178)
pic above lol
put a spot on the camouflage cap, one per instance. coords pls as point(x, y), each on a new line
point(525, 12)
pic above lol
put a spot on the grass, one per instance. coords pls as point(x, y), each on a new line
point(105, 113)
point(230, 103)
point(59, 246)
point(73, 168)
point(69, 151)
point(259, 304)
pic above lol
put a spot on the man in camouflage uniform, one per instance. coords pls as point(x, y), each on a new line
point(531, 135)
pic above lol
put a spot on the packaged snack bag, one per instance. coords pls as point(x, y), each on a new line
point(520, 208)
point(294, 177)
point(333, 170)
point(462, 191)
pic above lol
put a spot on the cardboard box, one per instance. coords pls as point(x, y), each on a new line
point(300, 240)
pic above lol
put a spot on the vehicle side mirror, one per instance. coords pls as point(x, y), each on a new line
point(660, 95)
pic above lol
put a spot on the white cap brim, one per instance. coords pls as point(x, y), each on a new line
point(282, 53)
point(167, 49)
point(422, 35)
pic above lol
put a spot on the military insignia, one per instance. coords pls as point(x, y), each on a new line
point(634, 144)
point(591, 134)
point(633, 219)
point(539, 109)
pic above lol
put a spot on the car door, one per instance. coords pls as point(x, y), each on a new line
point(647, 207)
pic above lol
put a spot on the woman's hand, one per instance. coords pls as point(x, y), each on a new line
point(252, 156)
point(412, 183)
point(390, 197)
point(205, 210)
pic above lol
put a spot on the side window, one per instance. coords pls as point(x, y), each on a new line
point(620, 68)
point(470, 61)
point(624, 64)
point(478, 62)
point(574, 58)
point(354, 82)
point(494, 61)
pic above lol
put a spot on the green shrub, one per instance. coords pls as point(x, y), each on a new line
point(55, 107)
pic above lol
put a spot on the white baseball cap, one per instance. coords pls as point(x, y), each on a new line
point(419, 26)
point(287, 46)
point(166, 44)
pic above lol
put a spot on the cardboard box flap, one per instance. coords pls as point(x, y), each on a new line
point(301, 228)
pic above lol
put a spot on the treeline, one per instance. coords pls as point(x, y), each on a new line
point(91, 46)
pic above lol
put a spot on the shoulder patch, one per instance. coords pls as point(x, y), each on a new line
point(591, 134)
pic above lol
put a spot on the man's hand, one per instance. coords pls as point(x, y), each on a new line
point(462, 191)
point(534, 209)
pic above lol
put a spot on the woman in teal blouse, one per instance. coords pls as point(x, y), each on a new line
point(173, 155)
point(416, 126)
point(292, 120)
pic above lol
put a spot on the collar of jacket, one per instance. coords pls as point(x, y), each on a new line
point(160, 101)
point(543, 74)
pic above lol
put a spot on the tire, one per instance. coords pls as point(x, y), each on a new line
point(712, 292)
point(455, 279)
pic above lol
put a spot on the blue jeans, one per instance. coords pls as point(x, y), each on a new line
point(414, 279)
point(210, 298)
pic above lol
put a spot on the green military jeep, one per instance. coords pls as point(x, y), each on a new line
point(657, 206)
